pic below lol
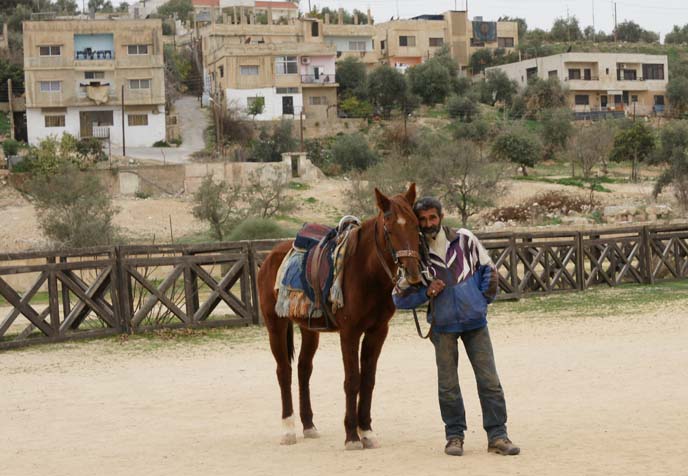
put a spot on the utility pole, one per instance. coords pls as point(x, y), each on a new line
point(616, 35)
point(9, 99)
point(124, 140)
point(301, 127)
point(593, 20)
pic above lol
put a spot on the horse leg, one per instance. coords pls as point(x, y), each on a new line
point(370, 352)
point(350, 342)
point(309, 344)
point(282, 345)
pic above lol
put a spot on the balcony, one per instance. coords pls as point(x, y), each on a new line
point(89, 54)
point(318, 80)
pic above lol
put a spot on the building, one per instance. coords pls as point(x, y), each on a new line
point(288, 67)
point(625, 82)
point(77, 70)
point(406, 43)
point(357, 40)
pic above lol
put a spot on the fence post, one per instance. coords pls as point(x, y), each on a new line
point(647, 256)
point(513, 268)
point(53, 302)
point(580, 262)
point(121, 298)
point(190, 289)
point(255, 303)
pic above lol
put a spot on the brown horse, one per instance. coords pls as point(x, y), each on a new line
point(385, 244)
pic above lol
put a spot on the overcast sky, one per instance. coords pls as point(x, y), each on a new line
point(655, 15)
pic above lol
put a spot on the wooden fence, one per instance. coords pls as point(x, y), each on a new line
point(63, 295)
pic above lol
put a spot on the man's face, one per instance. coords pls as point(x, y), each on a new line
point(430, 221)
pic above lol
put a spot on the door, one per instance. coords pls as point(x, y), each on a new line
point(288, 105)
point(85, 125)
point(316, 73)
point(603, 102)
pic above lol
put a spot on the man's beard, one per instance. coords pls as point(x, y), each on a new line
point(431, 231)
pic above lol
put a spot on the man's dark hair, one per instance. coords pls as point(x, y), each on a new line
point(426, 203)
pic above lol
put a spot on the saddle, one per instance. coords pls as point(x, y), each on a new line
point(318, 271)
point(310, 279)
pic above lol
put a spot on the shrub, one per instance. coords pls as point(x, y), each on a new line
point(354, 107)
point(10, 147)
point(257, 229)
point(74, 208)
point(160, 143)
point(351, 152)
point(463, 108)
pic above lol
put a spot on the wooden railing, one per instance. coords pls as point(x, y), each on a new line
point(64, 295)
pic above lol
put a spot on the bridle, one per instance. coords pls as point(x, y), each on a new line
point(396, 254)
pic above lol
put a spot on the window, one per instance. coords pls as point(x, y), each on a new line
point(137, 119)
point(653, 71)
point(434, 42)
point(626, 74)
point(317, 100)
point(315, 29)
point(407, 41)
point(383, 44)
point(137, 49)
point(582, 100)
point(531, 73)
point(357, 45)
point(222, 71)
point(553, 74)
point(634, 98)
point(287, 90)
point(477, 43)
point(574, 73)
point(54, 121)
point(286, 65)
point(505, 42)
point(139, 83)
point(50, 86)
point(659, 100)
point(248, 70)
point(52, 50)
point(94, 74)
point(587, 74)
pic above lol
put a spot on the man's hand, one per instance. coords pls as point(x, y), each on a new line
point(436, 287)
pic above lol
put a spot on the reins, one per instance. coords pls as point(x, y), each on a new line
point(395, 258)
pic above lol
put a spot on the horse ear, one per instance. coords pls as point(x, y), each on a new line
point(410, 195)
point(382, 201)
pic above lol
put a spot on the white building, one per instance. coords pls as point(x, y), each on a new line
point(598, 82)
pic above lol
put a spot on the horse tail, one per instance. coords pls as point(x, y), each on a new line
point(290, 341)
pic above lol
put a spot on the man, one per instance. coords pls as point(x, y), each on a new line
point(464, 282)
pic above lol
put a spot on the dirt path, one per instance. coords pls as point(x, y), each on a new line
point(586, 396)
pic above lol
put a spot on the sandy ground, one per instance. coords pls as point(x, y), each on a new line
point(586, 396)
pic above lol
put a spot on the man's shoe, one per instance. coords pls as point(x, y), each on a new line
point(454, 447)
point(503, 446)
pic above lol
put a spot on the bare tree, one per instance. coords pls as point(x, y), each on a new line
point(590, 147)
point(456, 174)
point(268, 196)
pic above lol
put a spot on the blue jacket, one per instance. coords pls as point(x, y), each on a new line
point(471, 284)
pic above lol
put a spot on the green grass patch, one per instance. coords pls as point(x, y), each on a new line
point(298, 186)
point(599, 301)
point(41, 297)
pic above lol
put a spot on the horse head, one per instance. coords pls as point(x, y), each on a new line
point(401, 231)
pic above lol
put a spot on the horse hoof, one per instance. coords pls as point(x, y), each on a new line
point(370, 443)
point(311, 433)
point(288, 439)
point(353, 445)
